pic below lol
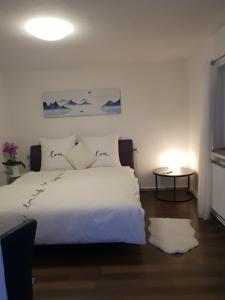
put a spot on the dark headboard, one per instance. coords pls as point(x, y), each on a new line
point(125, 152)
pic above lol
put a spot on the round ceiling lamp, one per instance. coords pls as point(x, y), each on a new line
point(48, 29)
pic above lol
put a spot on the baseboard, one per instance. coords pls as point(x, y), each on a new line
point(148, 189)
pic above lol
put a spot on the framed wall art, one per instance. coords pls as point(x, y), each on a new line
point(83, 102)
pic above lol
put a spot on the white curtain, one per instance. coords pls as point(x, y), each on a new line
point(211, 133)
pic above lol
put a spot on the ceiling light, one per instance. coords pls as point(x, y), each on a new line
point(48, 29)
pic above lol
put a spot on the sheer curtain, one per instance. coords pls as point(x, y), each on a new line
point(211, 133)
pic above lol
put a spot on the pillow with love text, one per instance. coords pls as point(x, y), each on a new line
point(105, 150)
point(53, 153)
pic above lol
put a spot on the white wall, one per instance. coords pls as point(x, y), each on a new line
point(4, 128)
point(154, 108)
point(161, 105)
point(195, 94)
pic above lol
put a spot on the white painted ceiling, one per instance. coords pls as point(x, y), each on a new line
point(109, 31)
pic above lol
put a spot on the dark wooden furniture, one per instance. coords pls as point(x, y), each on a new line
point(177, 173)
point(125, 153)
point(17, 247)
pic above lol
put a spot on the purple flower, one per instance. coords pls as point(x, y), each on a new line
point(11, 150)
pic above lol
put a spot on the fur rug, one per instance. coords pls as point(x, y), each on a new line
point(172, 235)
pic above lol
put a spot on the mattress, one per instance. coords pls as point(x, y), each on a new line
point(95, 205)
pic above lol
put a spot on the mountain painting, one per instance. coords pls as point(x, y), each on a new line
point(76, 103)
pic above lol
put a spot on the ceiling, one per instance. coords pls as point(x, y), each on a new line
point(109, 31)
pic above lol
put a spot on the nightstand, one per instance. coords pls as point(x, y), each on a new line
point(179, 172)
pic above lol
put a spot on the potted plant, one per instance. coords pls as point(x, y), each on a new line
point(12, 165)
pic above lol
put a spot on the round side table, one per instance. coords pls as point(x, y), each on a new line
point(180, 172)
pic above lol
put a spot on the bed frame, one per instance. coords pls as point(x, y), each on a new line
point(125, 153)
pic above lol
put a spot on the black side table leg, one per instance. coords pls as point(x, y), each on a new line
point(156, 184)
point(174, 188)
point(188, 182)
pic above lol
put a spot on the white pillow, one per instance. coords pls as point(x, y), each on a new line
point(53, 151)
point(80, 156)
point(105, 150)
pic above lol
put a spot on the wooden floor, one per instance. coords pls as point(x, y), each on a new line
point(136, 272)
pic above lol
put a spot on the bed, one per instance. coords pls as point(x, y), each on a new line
point(94, 205)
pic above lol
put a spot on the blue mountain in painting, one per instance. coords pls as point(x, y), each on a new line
point(53, 105)
point(111, 103)
point(84, 102)
point(71, 102)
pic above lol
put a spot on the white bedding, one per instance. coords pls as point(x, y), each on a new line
point(76, 206)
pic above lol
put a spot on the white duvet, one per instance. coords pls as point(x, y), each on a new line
point(94, 205)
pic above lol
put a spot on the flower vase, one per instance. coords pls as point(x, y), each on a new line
point(15, 171)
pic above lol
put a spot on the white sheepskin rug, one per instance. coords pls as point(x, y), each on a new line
point(172, 235)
